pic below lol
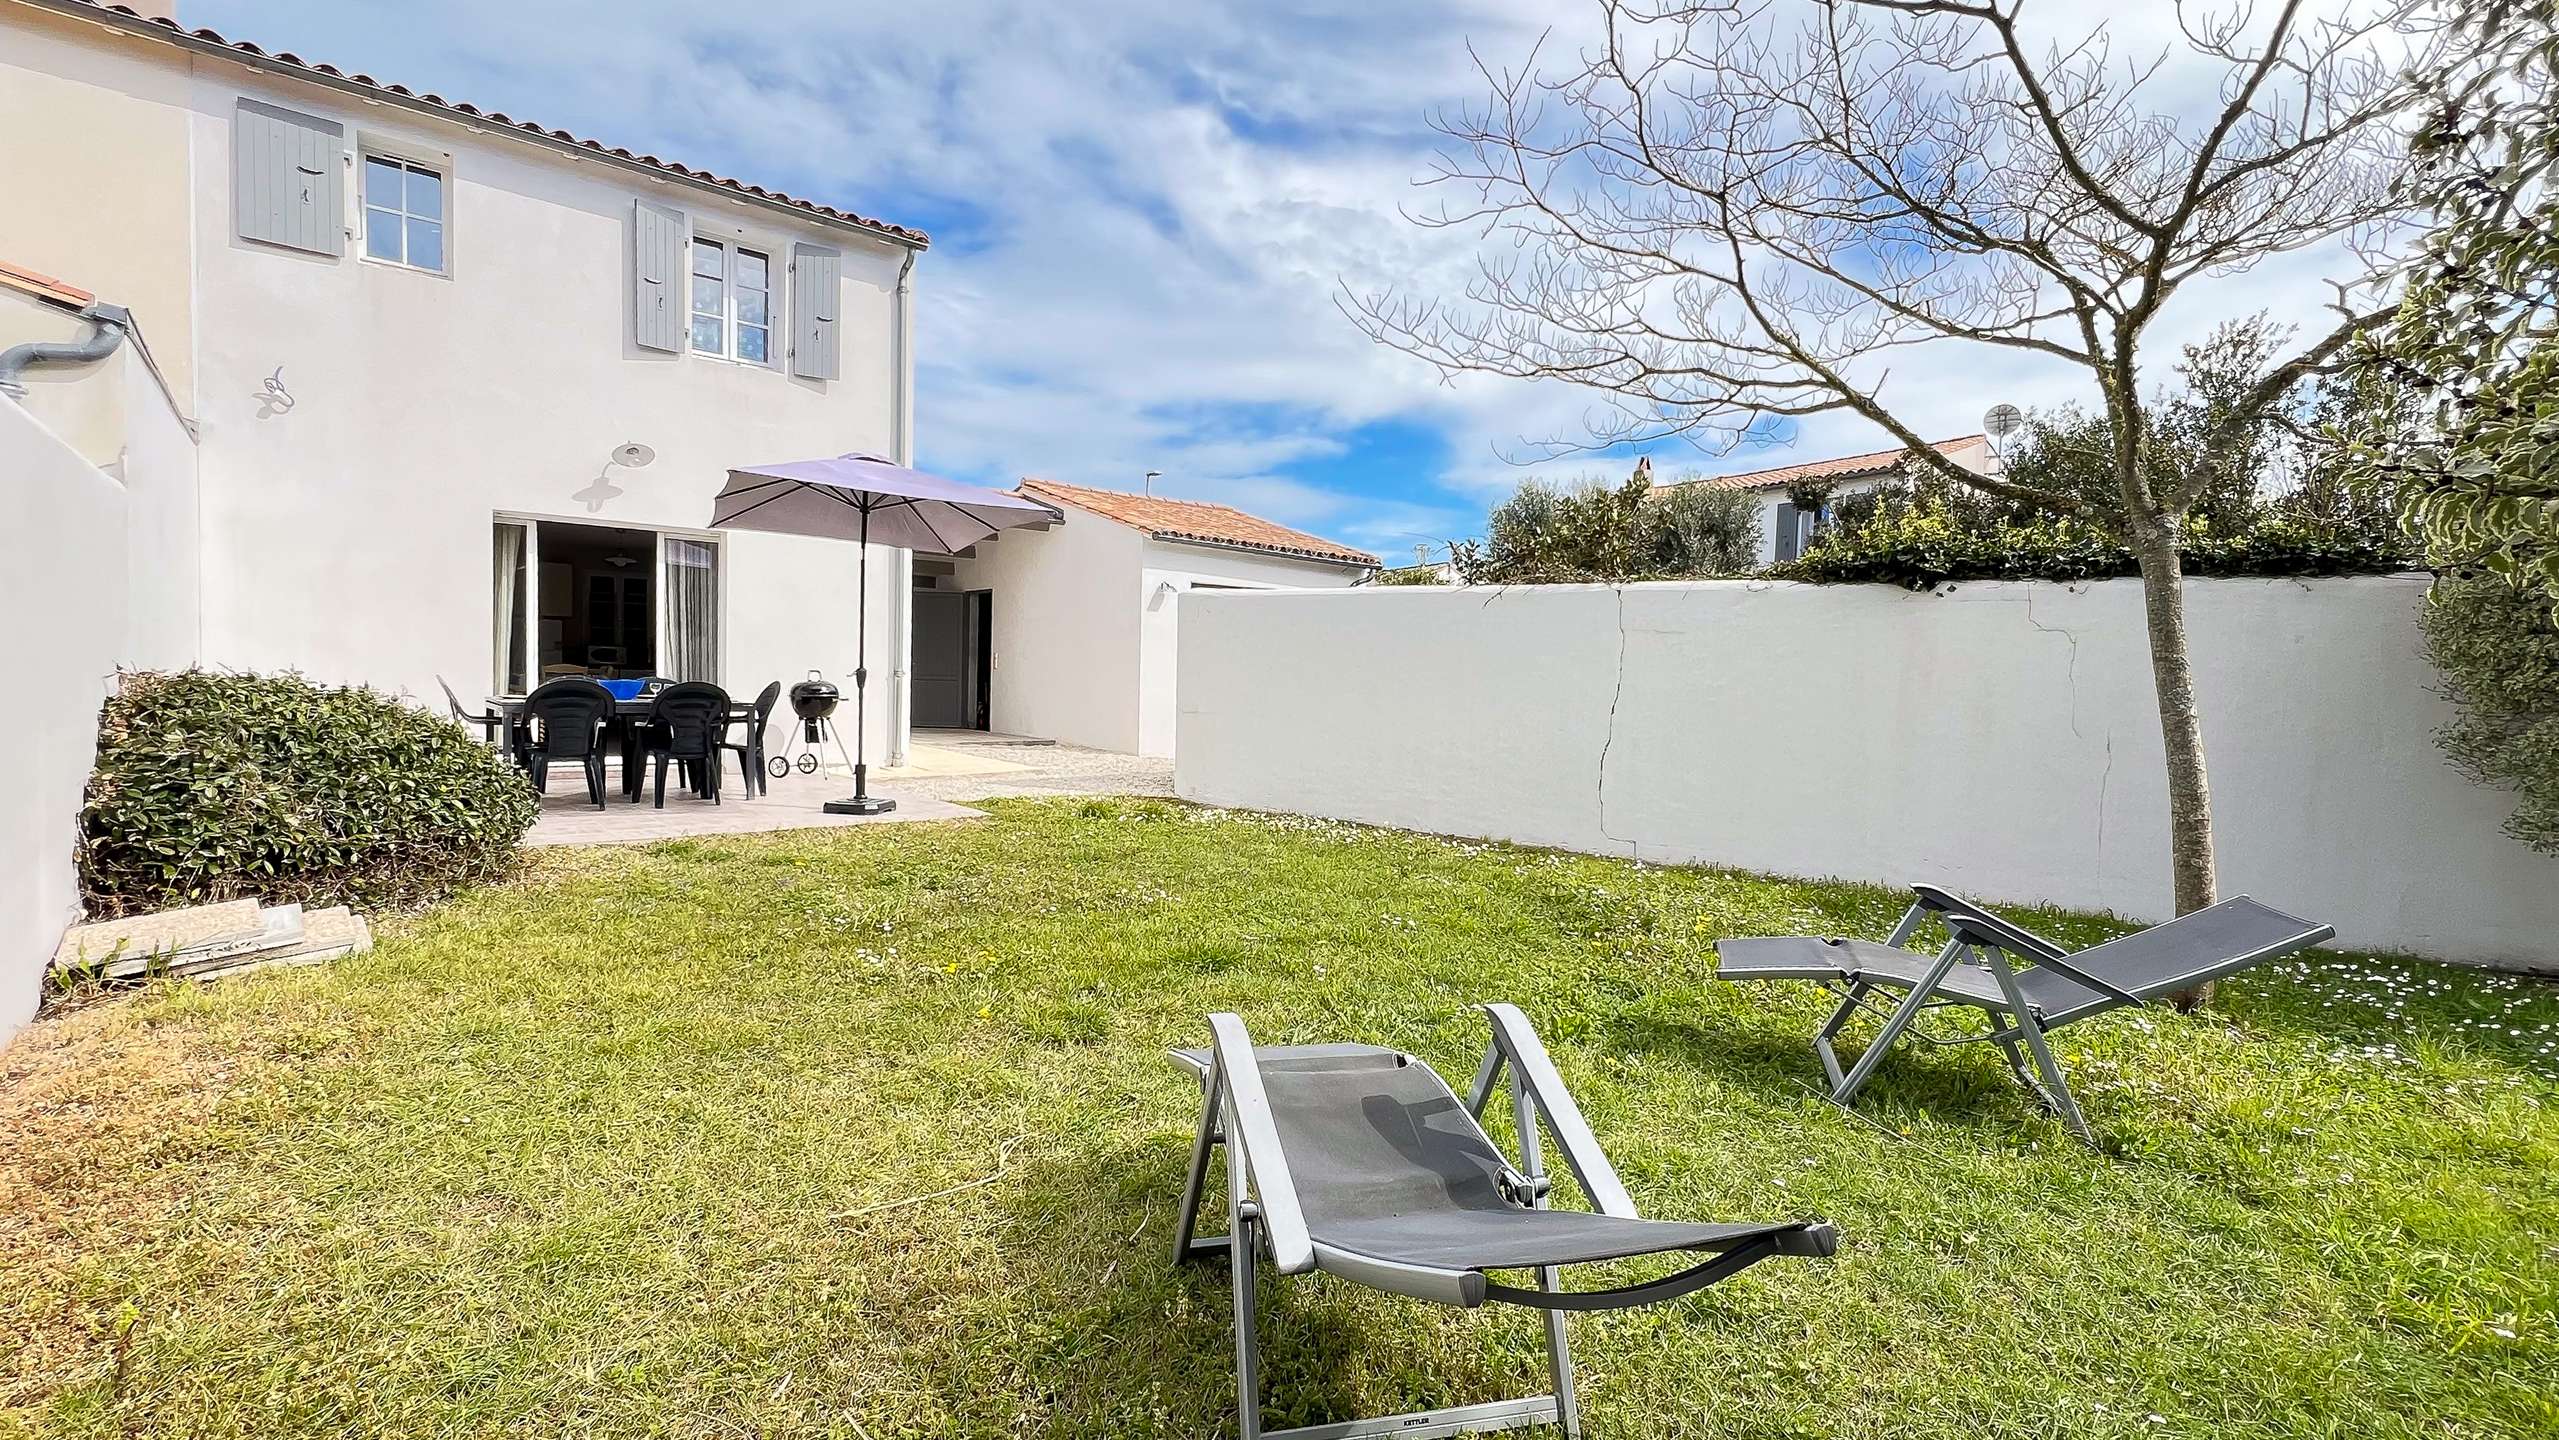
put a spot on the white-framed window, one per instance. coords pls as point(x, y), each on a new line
point(732, 301)
point(404, 212)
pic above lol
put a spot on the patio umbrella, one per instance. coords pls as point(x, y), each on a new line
point(869, 500)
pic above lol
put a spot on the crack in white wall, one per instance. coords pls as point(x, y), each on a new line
point(1608, 742)
point(2106, 774)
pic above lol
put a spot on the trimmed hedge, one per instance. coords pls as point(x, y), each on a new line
point(213, 786)
point(1927, 544)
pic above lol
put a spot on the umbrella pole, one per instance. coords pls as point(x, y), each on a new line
point(862, 802)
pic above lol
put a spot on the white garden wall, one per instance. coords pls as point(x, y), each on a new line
point(102, 576)
point(1175, 569)
point(1998, 738)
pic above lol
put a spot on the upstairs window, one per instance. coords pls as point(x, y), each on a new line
point(732, 302)
point(403, 213)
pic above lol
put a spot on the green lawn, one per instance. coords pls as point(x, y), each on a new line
point(616, 1150)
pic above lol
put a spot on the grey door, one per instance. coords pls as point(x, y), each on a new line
point(939, 682)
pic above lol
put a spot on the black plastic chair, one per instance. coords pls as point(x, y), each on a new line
point(489, 723)
point(564, 720)
point(689, 724)
point(750, 747)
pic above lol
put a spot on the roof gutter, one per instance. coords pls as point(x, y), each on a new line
point(481, 122)
point(1267, 552)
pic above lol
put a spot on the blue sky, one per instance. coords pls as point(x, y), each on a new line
point(1143, 213)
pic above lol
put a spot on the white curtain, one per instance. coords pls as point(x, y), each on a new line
point(692, 643)
point(506, 628)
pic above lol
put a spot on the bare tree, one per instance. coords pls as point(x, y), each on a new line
point(1717, 220)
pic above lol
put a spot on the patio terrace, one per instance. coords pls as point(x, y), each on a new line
point(933, 785)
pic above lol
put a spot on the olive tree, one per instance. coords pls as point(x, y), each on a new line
point(1720, 218)
point(1595, 529)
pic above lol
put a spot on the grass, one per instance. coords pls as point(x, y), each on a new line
point(624, 1149)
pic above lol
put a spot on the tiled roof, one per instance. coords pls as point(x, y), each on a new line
point(1846, 467)
point(1197, 520)
point(43, 286)
point(286, 62)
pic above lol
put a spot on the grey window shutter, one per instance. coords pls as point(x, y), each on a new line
point(660, 311)
point(815, 296)
point(1790, 534)
point(287, 185)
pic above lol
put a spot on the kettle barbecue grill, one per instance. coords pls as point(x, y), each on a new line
point(814, 701)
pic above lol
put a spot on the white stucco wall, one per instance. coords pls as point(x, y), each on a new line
point(164, 550)
point(94, 172)
point(1173, 570)
point(349, 536)
point(1065, 606)
point(89, 581)
point(1087, 625)
point(1998, 738)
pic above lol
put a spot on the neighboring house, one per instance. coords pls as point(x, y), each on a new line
point(1426, 572)
point(460, 388)
point(1783, 528)
point(1070, 633)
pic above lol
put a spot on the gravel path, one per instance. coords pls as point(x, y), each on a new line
point(1053, 770)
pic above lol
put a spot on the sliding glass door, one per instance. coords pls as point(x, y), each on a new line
point(571, 598)
point(689, 616)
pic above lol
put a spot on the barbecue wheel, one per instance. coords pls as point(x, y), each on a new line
point(808, 763)
point(779, 767)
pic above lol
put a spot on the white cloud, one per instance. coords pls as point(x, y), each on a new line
point(1151, 205)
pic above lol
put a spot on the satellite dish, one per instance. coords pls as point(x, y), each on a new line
point(2003, 421)
point(633, 455)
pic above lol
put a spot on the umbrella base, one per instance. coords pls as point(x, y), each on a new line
point(860, 805)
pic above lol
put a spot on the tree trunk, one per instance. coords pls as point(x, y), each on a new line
point(2172, 673)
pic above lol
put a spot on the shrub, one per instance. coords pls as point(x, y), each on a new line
point(1704, 529)
point(2498, 650)
point(1922, 535)
point(1598, 530)
point(213, 786)
point(1409, 575)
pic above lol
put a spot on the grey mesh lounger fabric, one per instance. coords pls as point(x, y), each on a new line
point(2025, 985)
point(1361, 1162)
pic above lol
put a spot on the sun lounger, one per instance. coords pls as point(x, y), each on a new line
point(1362, 1163)
point(2025, 985)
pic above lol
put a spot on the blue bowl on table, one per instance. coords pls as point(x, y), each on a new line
point(623, 689)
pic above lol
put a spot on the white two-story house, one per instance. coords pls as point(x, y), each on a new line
point(460, 389)
point(336, 376)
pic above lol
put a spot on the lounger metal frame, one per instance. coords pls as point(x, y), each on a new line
point(1262, 1213)
point(1987, 943)
point(2020, 1032)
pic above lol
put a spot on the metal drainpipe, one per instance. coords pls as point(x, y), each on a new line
point(109, 323)
point(902, 449)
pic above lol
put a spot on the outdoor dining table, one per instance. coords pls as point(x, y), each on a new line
point(622, 729)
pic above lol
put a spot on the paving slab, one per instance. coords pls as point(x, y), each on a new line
point(795, 804)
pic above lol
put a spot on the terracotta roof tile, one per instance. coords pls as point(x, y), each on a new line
point(43, 286)
point(176, 34)
point(1873, 462)
point(1197, 520)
